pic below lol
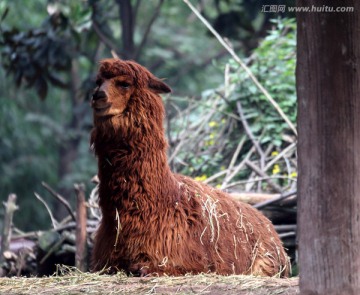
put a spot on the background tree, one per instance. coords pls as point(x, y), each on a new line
point(328, 88)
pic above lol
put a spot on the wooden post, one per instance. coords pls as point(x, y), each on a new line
point(10, 208)
point(328, 88)
point(81, 244)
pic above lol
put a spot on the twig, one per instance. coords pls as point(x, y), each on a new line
point(185, 139)
point(281, 154)
point(275, 200)
point(238, 168)
point(244, 66)
point(81, 249)
point(148, 28)
point(235, 183)
point(91, 225)
point(53, 220)
point(257, 170)
point(251, 135)
point(236, 153)
point(231, 165)
point(227, 81)
point(60, 198)
point(215, 176)
point(285, 227)
point(10, 208)
point(136, 9)
point(287, 235)
point(114, 54)
point(104, 39)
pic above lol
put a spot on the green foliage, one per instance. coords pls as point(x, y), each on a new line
point(31, 134)
point(26, 155)
point(37, 57)
point(273, 62)
point(213, 127)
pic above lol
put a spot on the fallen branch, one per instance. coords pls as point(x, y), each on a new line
point(253, 198)
point(258, 179)
point(10, 208)
point(285, 228)
point(275, 200)
point(287, 235)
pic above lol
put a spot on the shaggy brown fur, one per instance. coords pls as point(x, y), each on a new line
point(155, 221)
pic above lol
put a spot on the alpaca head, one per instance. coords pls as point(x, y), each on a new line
point(126, 104)
point(122, 84)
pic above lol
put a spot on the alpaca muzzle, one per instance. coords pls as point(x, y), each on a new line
point(99, 102)
point(99, 95)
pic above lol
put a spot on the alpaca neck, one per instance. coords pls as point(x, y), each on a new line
point(134, 167)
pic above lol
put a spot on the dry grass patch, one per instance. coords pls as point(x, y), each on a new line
point(72, 281)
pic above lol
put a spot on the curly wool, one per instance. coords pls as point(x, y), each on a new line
point(157, 222)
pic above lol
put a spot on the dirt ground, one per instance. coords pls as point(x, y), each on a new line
point(85, 283)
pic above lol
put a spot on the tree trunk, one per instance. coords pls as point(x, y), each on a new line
point(328, 88)
point(127, 28)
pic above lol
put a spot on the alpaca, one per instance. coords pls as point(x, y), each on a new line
point(154, 221)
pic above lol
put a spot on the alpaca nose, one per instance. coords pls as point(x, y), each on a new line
point(98, 95)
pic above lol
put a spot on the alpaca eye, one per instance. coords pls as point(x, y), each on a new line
point(122, 84)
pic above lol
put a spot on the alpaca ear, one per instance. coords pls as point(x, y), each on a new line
point(158, 86)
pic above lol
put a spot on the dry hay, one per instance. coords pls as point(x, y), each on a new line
point(71, 281)
point(213, 213)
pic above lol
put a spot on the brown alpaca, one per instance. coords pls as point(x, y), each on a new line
point(154, 221)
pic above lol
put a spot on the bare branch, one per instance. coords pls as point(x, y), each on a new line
point(275, 200)
point(53, 220)
point(291, 148)
point(102, 37)
point(237, 168)
point(60, 198)
point(148, 29)
point(251, 135)
point(136, 9)
point(258, 179)
point(258, 171)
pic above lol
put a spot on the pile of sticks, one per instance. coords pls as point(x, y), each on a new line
point(38, 252)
